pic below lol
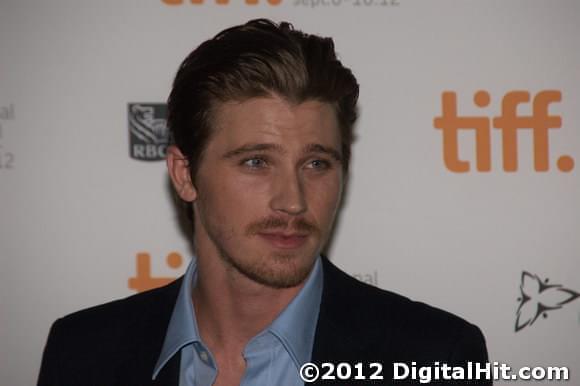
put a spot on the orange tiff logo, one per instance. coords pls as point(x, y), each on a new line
point(143, 281)
point(220, 2)
point(509, 123)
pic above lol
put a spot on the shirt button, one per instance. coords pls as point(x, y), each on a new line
point(203, 356)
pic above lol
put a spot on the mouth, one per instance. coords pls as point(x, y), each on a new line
point(285, 240)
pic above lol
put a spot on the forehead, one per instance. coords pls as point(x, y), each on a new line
point(274, 119)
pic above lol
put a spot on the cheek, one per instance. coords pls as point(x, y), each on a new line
point(324, 199)
point(238, 198)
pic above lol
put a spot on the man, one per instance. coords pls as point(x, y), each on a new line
point(262, 120)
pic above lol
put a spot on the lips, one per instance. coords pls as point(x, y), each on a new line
point(285, 241)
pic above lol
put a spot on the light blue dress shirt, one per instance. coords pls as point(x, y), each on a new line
point(273, 357)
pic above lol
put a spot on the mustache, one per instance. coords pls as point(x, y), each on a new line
point(273, 223)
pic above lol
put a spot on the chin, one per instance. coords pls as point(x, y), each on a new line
point(276, 269)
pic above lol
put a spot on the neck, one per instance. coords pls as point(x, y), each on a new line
point(231, 308)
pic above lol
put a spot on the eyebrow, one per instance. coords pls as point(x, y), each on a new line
point(310, 148)
point(318, 148)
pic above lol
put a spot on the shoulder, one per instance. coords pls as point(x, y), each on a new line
point(123, 312)
point(95, 343)
point(409, 328)
point(368, 300)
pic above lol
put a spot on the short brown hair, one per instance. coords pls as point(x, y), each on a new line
point(257, 59)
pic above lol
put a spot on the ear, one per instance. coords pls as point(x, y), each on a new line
point(178, 168)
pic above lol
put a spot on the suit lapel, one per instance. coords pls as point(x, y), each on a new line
point(143, 342)
point(169, 375)
point(343, 331)
point(334, 339)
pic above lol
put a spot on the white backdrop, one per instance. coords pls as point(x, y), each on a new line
point(76, 209)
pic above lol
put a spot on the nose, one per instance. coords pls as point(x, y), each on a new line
point(288, 194)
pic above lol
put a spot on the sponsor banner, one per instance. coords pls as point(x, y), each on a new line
point(463, 189)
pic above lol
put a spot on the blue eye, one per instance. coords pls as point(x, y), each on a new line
point(254, 163)
point(319, 164)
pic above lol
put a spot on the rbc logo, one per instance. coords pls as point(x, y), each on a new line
point(149, 135)
point(509, 123)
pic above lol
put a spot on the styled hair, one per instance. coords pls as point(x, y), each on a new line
point(257, 59)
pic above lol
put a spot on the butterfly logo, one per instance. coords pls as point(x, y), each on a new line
point(538, 298)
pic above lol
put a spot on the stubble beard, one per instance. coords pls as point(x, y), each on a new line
point(276, 269)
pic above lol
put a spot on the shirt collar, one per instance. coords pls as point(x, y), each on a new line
point(182, 329)
point(294, 327)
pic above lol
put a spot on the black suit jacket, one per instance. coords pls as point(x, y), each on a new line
point(118, 343)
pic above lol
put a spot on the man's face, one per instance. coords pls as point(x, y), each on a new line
point(268, 187)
